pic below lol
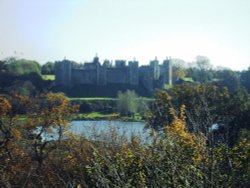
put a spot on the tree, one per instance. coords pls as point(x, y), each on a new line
point(203, 63)
point(5, 78)
point(48, 68)
point(22, 76)
point(229, 79)
point(205, 105)
point(209, 104)
point(204, 66)
point(179, 72)
point(19, 67)
point(245, 79)
point(127, 103)
point(54, 112)
point(179, 69)
point(3, 66)
point(159, 115)
point(8, 133)
point(170, 159)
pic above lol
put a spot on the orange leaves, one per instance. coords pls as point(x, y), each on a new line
point(193, 144)
point(5, 106)
point(59, 106)
point(178, 124)
point(54, 110)
point(23, 100)
point(16, 133)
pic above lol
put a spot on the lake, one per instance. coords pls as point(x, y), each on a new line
point(92, 129)
point(103, 130)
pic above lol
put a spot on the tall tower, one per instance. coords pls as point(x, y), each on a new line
point(154, 66)
point(133, 72)
point(63, 73)
point(97, 65)
point(167, 71)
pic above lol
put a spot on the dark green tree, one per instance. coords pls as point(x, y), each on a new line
point(19, 67)
point(245, 79)
point(48, 68)
point(229, 79)
point(159, 114)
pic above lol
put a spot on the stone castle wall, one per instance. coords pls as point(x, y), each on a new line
point(118, 75)
point(96, 74)
point(83, 76)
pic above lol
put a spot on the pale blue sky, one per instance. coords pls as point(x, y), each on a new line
point(49, 30)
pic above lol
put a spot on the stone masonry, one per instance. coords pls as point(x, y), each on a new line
point(151, 76)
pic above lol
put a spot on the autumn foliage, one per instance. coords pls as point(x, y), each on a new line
point(36, 150)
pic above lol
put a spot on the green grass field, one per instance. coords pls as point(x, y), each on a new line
point(96, 115)
point(48, 77)
point(112, 116)
point(101, 99)
point(91, 99)
point(167, 86)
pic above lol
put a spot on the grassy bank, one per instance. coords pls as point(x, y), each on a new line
point(103, 99)
point(91, 99)
point(96, 116)
point(48, 77)
point(112, 116)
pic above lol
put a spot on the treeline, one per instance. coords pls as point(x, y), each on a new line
point(24, 76)
point(202, 71)
point(199, 138)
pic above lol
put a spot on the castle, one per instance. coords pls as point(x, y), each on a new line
point(150, 76)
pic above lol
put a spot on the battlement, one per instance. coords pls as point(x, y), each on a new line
point(95, 73)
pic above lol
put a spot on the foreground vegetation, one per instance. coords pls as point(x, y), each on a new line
point(182, 151)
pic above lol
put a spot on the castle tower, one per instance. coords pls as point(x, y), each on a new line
point(154, 66)
point(98, 69)
point(167, 71)
point(133, 72)
point(63, 73)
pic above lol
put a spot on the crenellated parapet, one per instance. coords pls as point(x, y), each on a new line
point(93, 73)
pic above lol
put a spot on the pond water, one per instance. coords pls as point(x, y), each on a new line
point(91, 129)
point(103, 129)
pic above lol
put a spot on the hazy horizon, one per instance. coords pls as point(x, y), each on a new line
point(127, 29)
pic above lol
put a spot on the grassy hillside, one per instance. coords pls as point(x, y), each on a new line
point(48, 77)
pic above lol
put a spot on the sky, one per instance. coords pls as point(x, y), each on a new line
point(50, 30)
